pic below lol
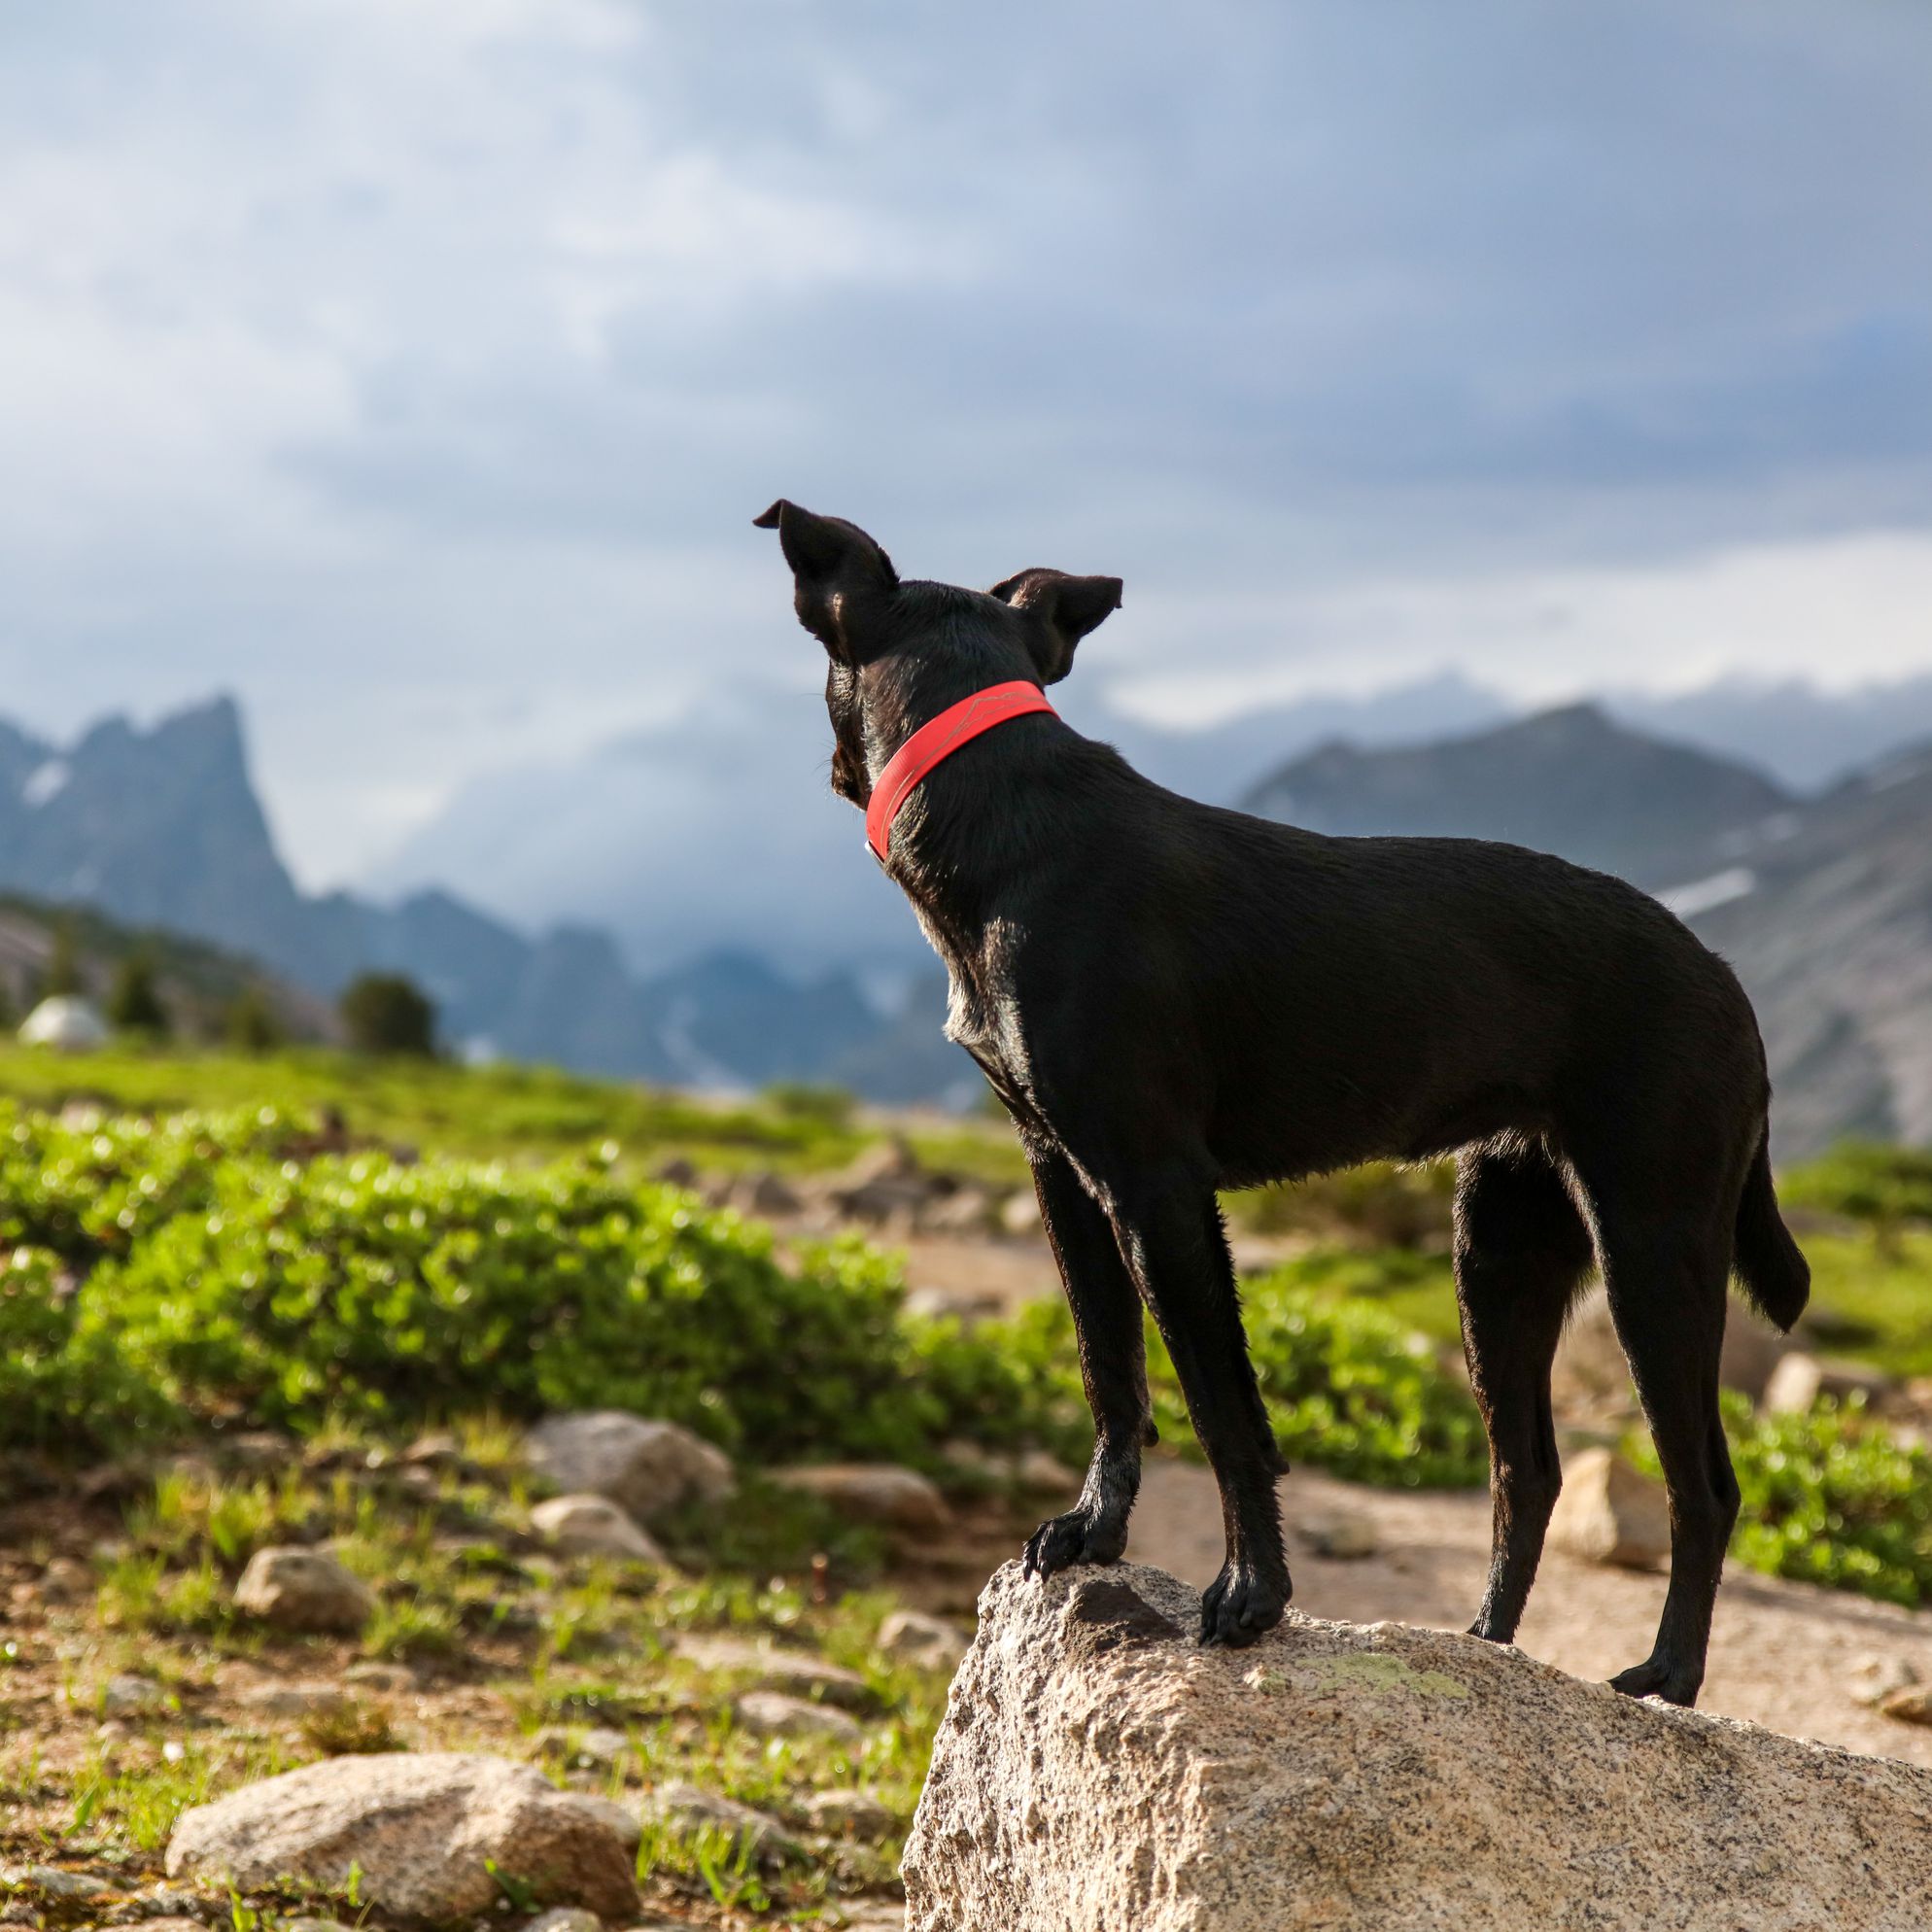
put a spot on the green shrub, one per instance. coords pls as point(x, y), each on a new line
point(1349, 1387)
point(1865, 1182)
point(1380, 1204)
point(89, 1187)
point(55, 1390)
point(1830, 1497)
point(361, 1286)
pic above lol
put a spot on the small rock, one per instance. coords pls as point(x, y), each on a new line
point(1750, 1353)
point(1877, 1677)
point(1037, 1470)
point(775, 1714)
point(592, 1526)
point(1912, 1704)
point(963, 1305)
point(765, 1193)
point(968, 1211)
point(437, 1449)
point(309, 1925)
point(645, 1467)
point(566, 1918)
point(292, 1700)
point(773, 1669)
point(1608, 1512)
point(677, 1172)
point(1801, 1380)
point(598, 1748)
point(688, 1808)
point(386, 1679)
point(931, 1643)
point(872, 1493)
point(126, 1695)
point(63, 1580)
point(259, 1449)
point(849, 1815)
point(174, 1923)
point(1019, 1214)
point(427, 1832)
point(176, 1905)
point(611, 1815)
point(51, 1883)
point(1343, 1534)
point(304, 1590)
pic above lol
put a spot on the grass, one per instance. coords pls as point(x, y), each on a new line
point(495, 1111)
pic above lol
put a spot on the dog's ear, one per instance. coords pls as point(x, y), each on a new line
point(1063, 610)
point(842, 578)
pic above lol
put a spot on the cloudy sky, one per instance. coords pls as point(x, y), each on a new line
point(413, 367)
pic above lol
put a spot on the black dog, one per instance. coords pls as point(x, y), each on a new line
point(1172, 999)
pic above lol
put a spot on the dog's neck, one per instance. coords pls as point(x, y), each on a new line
point(978, 828)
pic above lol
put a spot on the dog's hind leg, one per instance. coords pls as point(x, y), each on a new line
point(1667, 1276)
point(1521, 1250)
point(1112, 1365)
point(1169, 1229)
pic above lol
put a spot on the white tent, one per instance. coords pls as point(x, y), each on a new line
point(67, 1021)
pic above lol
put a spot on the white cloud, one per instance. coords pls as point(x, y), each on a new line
point(411, 367)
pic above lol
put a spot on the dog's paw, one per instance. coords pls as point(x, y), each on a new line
point(1660, 1678)
point(1241, 1605)
point(1077, 1536)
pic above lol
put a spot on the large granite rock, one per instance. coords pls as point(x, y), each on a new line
point(422, 1829)
point(1097, 1768)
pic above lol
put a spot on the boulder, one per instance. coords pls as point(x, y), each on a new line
point(872, 1493)
point(1751, 1352)
point(849, 1815)
point(1910, 1704)
point(765, 1195)
point(1610, 1513)
point(645, 1467)
point(1592, 1375)
point(300, 1589)
point(1877, 1678)
point(423, 1830)
point(1019, 1215)
point(292, 1700)
point(690, 1808)
point(1341, 1535)
point(765, 1667)
point(592, 1526)
point(1799, 1380)
point(126, 1695)
point(776, 1715)
point(1098, 1768)
point(931, 1643)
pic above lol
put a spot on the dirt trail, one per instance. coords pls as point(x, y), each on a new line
point(1782, 1654)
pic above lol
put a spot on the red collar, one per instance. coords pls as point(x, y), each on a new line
point(932, 743)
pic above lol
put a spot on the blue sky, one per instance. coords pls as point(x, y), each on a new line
point(413, 367)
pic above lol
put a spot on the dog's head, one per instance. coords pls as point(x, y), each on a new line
point(901, 652)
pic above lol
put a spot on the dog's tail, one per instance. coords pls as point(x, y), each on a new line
point(1775, 1272)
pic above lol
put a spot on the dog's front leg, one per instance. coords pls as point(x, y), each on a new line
point(1171, 1237)
point(1113, 1364)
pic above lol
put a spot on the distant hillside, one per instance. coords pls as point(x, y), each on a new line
point(1831, 930)
point(1568, 781)
point(1824, 905)
point(164, 828)
point(197, 983)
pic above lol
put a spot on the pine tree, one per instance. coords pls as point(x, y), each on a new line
point(386, 1014)
point(134, 1006)
point(62, 972)
point(252, 1026)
